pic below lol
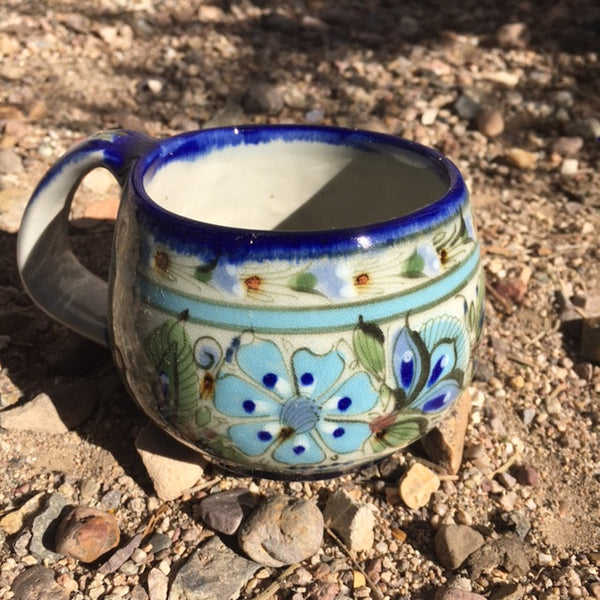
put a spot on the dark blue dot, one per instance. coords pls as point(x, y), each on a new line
point(299, 449)
point(339, 432)
point(270, 380)
point(307, 379)
point(264, 436)
point(344, 403)
point(249, 406)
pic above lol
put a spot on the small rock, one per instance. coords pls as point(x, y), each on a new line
point(518, 522)
point(353, 521)
point(417, 486)
point(448, 593)
point(154, 85)
point(522, 159)
point(512, 288)
point(506, 480)
point(172, 467)
point(569, 166)
point(38, 583)
point(87, 533)
point(224, 511)
point(584, 370)
point(138, 593)
point(513, 35)
point(508, 552)
point(263, 98)
point(213, 572)
point(507, 591)
point(10, 162)
point(526, 475)
point(282, 531)
point(324, 590)
point(429, 116)
point(13, 521)
point(445, 443)
point(588, 129)
point(567, 146)
point(44, 528)
point(589, 347)
point(103, 210)
point(158, 585)
point(490, 123)
point(466, 107)
point(455, 543)
point(53, 415)
point(160, 541)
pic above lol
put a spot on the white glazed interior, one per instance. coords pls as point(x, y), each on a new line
point(298, 185)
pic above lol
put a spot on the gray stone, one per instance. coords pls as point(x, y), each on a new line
point(38, 583)
point(455, 543)
point(466, 107)
point(44, 527)
point(353, 521)
point(567, 146)
point(282, 531)
point(263, 98)
point(213, 572)
point(160, 541)
point(224, 511)
point(508, 552)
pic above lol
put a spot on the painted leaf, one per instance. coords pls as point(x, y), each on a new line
point(414, 266)
point(411, 361)
point(171, 353)
point(368, 340)
point(399, 434)
point(304, 282)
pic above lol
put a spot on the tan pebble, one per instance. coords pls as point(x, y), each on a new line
point(490, 123)
point(67, 582)
point(398, 534)
point(87, 533)
point(13, 521)
point(358, 580)
point(522, 159)
point(417, 485)
point(517, 382)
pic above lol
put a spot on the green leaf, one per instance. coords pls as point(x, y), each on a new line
point(304, 282)
point(202, 274)
point(399, 434)
point(414, 266)
point(367, 340)
point(170, 351)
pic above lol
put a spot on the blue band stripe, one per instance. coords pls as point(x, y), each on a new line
point(281, 320)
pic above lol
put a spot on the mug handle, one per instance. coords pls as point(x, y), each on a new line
point(56, 281)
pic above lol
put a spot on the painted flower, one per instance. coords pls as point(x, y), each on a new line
point(296, 415)
point(429, 365)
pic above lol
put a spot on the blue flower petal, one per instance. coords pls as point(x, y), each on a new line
point(447, 330)
point(254, 438)
point(300, 449)
point(438, 398)
point(238, 398)
point(343, 436)
point(263, 363)
point(354, 397)
point(443, 359)
point(315, 374)
point(408, 358)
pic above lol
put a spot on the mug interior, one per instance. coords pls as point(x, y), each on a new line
point(293, 178)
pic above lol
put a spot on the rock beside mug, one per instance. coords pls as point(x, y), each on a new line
point(292, 301)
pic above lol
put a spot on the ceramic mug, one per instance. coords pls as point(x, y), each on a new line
point(291, 301)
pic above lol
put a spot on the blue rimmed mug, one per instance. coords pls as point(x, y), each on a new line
point(291, 301)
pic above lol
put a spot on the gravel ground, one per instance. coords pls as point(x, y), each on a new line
point(509, 90)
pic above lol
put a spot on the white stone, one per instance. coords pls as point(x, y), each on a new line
point(352, 520)
point(38, 415)
point(172, 467)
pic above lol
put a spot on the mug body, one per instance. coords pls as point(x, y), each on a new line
point(292, 301)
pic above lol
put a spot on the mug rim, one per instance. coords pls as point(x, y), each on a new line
point(182, 232)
